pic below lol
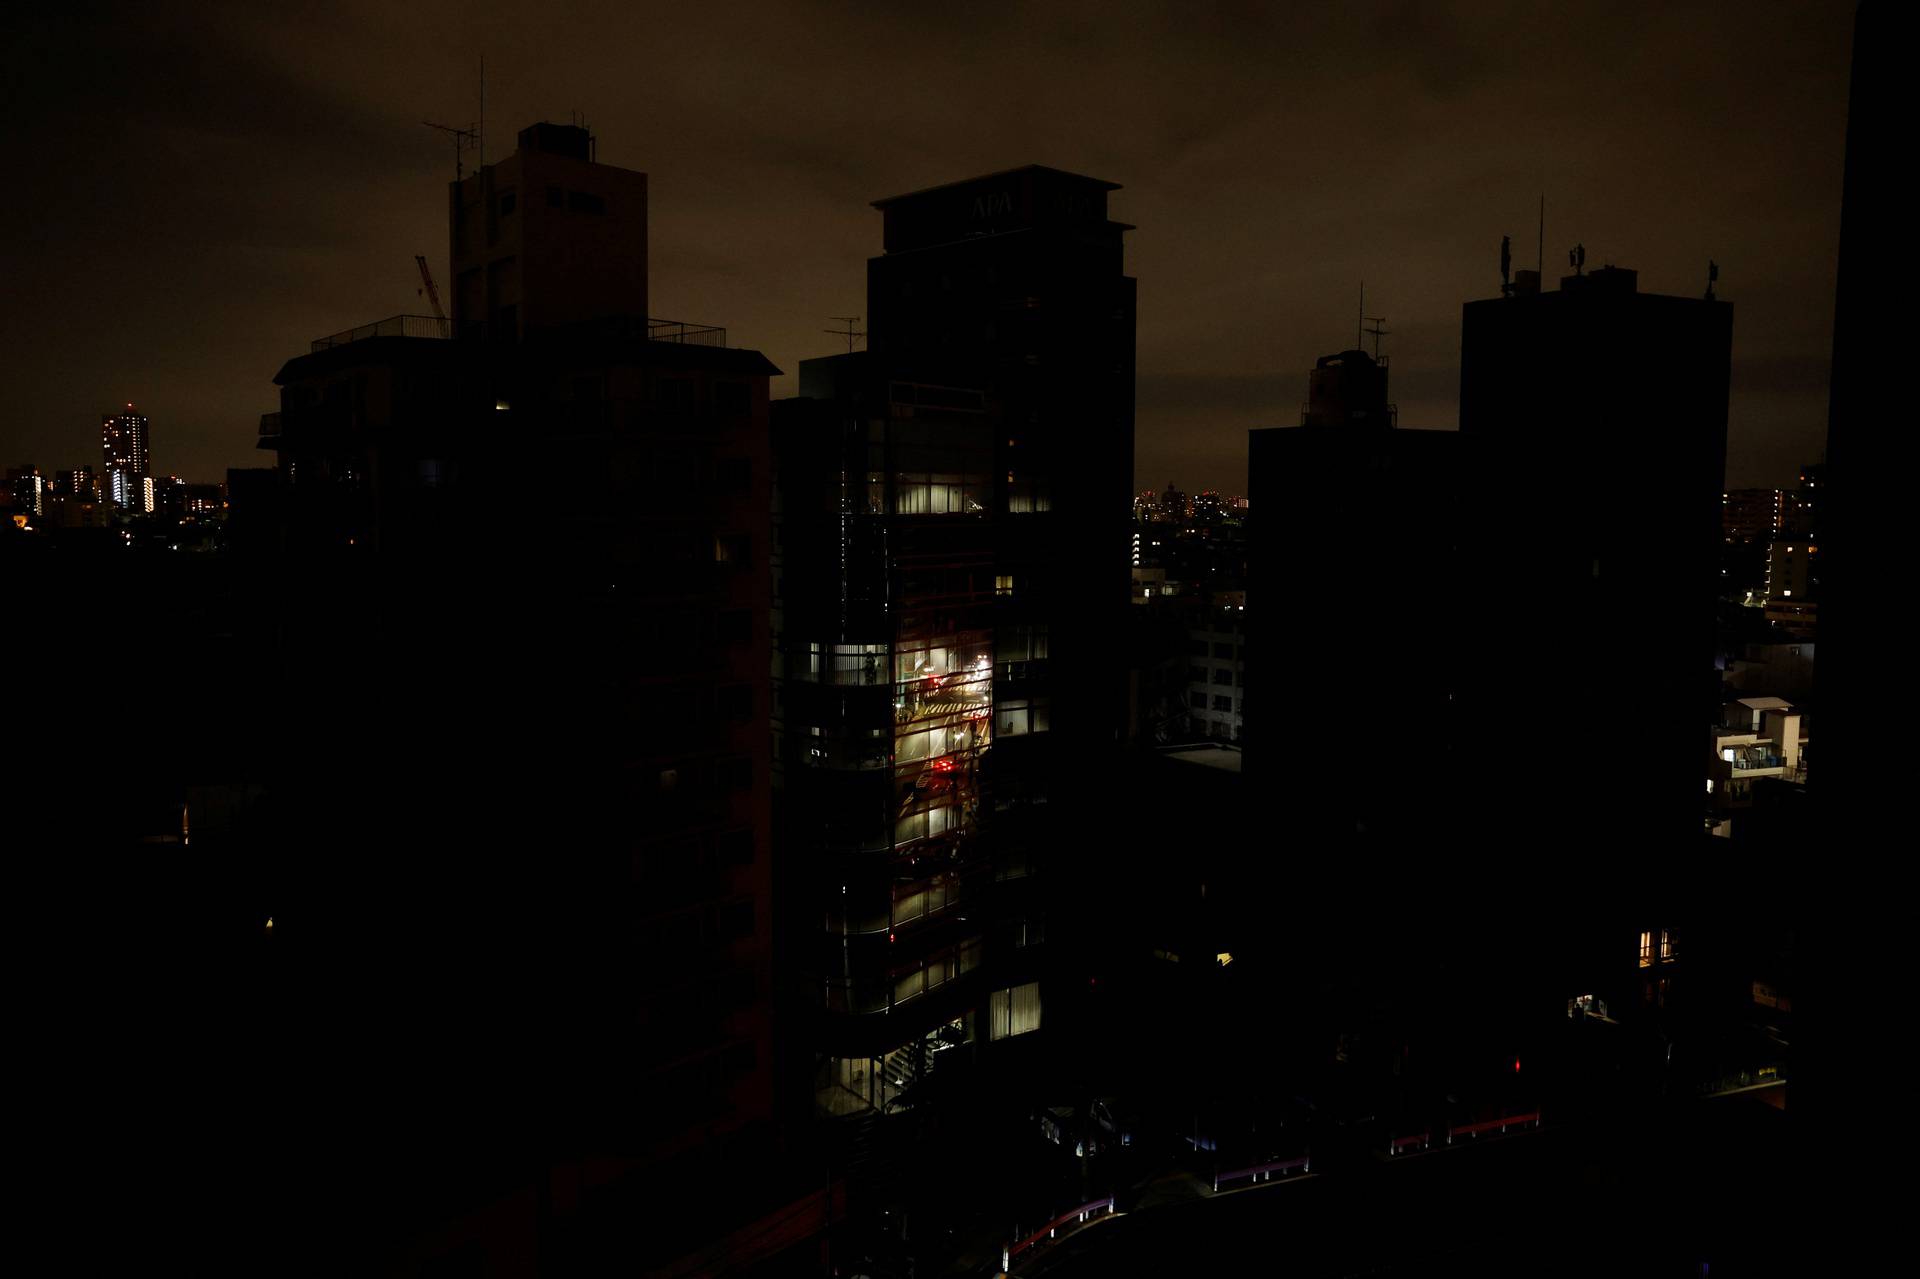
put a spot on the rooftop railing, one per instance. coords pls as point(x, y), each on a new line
point(681, 331)
point(433, 326)
point(394, 326)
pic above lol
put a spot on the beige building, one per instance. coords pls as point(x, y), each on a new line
point(1757, 737)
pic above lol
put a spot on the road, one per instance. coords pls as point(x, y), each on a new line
point(1632, 1197)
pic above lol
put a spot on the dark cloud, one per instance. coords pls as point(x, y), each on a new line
point(203, 189)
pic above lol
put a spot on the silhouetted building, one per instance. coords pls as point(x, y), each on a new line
point(1354, 578)
point(547, 237)
point(575, 817)
point(1572, 401)
point(1348, 389)
point(123, 443)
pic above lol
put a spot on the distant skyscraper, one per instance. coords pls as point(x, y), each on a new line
point(123, 444)
point(76, 483)
point(27, 489)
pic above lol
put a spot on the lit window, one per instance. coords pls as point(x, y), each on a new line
point(1666, 946)
point(1646, 950)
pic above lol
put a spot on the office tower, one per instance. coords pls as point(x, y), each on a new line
point(950, 609)
point(574, 781)
point(1355, 612)
point(1593, 633)
point(123, 443)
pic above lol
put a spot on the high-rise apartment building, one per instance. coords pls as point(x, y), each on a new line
point(123, 443)
point(950, 608)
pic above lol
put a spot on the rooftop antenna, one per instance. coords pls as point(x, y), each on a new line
point(1361, 317)
point(1379, 330)
point(849, 333)
point(1577, 257)
point(1506, 266)
point(462, 138)
point(1713, 276)
point(483, 111)
point(1540, 246)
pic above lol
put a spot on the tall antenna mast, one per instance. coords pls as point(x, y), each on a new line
point(848, 333)
point(483, 110)
point(1361, 317)
point(1540, 246)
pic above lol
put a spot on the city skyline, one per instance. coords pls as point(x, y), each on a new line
point(314, 183)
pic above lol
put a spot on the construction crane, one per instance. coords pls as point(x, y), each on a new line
point(433, 294)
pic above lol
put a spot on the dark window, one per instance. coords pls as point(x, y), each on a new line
point(740, 1059)
point(736, 703)
point(735, 919)
point(554, 198)
point(733, 548)
point(1199, 700)
point(734, 473)
point(734, 847)
point(507, 204)
point(1222, 650)
point(735, 626)
point(1222, 703)
point(674, 392)
point(731, 397)
point(1223, 677)
point(586, 202)
point(737, 774)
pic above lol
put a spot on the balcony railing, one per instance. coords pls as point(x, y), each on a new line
point(394, 326)
point(1753, 763)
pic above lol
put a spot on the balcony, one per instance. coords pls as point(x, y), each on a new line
point(394, 326)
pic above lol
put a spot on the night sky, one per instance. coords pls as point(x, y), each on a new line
point(200, 190)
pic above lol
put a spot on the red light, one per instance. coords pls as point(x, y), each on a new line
point(1516, 1065)
point(890, 938)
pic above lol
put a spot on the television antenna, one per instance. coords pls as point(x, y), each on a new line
point(462, 139)
point(1379, 330)
point(849, 333)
